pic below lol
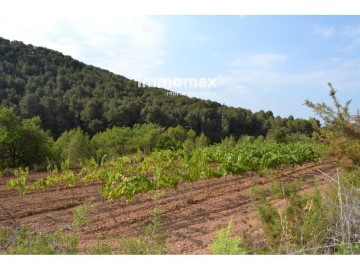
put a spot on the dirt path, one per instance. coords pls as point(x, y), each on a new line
point(191, 214)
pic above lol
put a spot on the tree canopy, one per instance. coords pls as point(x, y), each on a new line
point(67, 94)
point(22, 142)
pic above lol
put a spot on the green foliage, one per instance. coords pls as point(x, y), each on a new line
point(81, 216)
point(225, 244)
point(283, 190)
point(299, 227)
point(145, 137)
point(113, 142)
point(278, 135)
point(152, 241)
point(348, 249)
point(202, 141)
point(245, 139)
point(20, 181)
point(100, 248)
point(73, 146)
point(351, 178)
point(67, 94)
point(22, 142)
point(166, 169)
point(285, 135)
point(341, 130)
point(177, 138)
point(272, 223)
point(24, 241)
point(119, 141)
point(343, 212)
point(229, 141)
point(189, 145)
point(259, 192)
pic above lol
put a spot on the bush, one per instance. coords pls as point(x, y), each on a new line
point(81, 216)
point(341, 130)
point(300, 227)
point(225, 244)
point(152, 241)
point(343, 212)
point(100, 249)
point(22, 142)
point(24, 241)
point(348, 249)
point(113, 142)
point(74, 146)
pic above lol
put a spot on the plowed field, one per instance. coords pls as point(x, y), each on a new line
point(191, 214)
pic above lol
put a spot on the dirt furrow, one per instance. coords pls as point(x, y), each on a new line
point(190, 214)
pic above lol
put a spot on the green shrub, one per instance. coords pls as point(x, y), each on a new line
point(225, 244)
point(152, 241)
point(100, 249)
point(343, 211)
point(348, 249)
point(81, 216)
point(24, 241)
point(300, 227)
point(282, 189)
point(22, 141)
point(341, 130)
point(73, 145)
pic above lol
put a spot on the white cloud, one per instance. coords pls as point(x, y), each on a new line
point(351, 31)
point(324, 31)
point(248, 73)
point(257, 61)
point(276, 88)
point(352, 39)
point(126, 44)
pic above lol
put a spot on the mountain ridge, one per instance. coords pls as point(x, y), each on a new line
point(67, 93)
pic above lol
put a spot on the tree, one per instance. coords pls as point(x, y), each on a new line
point(146, 136)
point(202, 141)
point(29, 106)
point(341, 130)
point(229, 141)
point(67, 94)
point(22, 142)
point(74, 145)
point(278, 135)
point(113, 142)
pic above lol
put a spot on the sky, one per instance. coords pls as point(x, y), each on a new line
point(266, 62)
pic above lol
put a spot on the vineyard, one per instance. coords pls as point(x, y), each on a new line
point(191, 214)
point(196, 193)
point(167, 169)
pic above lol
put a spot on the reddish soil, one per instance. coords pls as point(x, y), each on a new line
point(191, 215)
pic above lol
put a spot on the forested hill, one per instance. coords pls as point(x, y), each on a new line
point(66, 93)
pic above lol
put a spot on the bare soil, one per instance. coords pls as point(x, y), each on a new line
point(191, 215)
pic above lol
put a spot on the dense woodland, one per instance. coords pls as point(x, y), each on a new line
point(67, 94)
point(64, 98)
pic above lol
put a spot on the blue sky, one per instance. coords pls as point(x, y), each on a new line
point(259, 62)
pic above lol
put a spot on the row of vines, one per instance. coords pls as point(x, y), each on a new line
point(167, 169)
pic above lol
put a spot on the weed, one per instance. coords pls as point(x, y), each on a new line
point(152, 241)
point(300, 226)
point(24, 241)
point(282, 189)
point(225, 244)
point(348, 249)
point(81, 216)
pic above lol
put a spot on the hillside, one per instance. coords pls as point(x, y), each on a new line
point(66, 93)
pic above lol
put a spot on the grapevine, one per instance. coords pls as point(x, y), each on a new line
point(167, 169)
